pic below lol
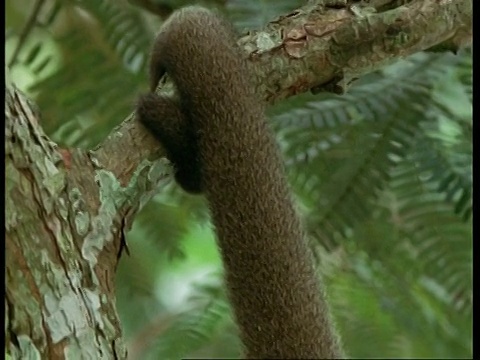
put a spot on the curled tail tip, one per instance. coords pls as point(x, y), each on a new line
point(143, 104)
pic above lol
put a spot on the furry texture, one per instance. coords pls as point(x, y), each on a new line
point(164, 118)
point(273, 287)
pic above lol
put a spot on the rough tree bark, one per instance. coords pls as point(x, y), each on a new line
point(67, 209)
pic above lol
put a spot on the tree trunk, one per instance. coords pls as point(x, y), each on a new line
point(63, 245)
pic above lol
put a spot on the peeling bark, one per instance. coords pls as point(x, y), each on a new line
point(64, 220)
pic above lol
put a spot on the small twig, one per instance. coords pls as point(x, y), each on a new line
point(26, 30)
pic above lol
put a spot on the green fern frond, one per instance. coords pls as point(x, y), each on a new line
point(374, 127)
point(38, 56)
point(449, 172)
point(112, 51)
point(365, 314)
point(124, 28)
point(77, 98)
point(465, 71)
point(165, 225)
point(387, 297)
point(196, 327)
point(374, 99)
point(442, 246)
point(348, 194)
point(31, 51)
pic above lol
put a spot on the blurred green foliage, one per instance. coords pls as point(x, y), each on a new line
point(383, 175)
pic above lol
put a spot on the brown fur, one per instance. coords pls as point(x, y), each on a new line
point(163, 117)
point(278, 302)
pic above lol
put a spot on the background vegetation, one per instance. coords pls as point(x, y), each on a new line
point(382, 174)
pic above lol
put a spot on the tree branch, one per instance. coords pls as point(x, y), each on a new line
point(309, 49)
point(61, 237)
point(314, 45)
